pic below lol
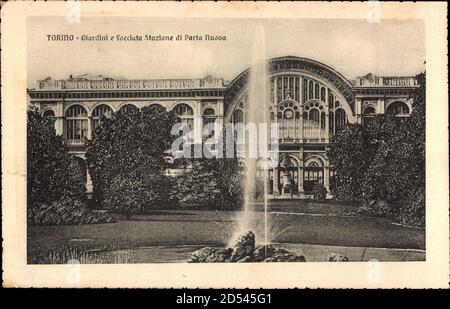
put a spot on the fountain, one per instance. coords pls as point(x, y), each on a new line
point(256, 137)
point(248, 234)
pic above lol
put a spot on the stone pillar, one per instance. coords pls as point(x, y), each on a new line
point(89, 186)
point(59, 121)
point(380, 106)
point(300, 180)
point(326, 177)
point(301, 189)
point(220, 117)
point(358, 105)
point(197, 124)
point(301, 94)
point(275, 181)
point(89, 131)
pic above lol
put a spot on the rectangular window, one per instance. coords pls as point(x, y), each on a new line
point(297, 89)
point(279, 90)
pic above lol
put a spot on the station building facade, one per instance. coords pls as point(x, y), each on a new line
point(309, 100)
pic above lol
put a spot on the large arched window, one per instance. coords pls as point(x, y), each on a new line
point(331, 121)
point(209, 117)
point(155, 105)
point(330, 99)
point(76, 123)
point(48, 113)
point(314, 116)
point(305, 90)
point(186, 114)
point(311, 90)
point(314, 120)
point(312, 174)
point(238, 116)
point(341, 118)
point(323, 120)
point(279, 89)
point(98, 112)
point(397, 109)
point(297, 89)
point(128, 107)
point(288, 114)
point(368, 114)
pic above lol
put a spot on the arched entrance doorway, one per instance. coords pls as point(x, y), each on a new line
point(288, 176)
point(312, 174)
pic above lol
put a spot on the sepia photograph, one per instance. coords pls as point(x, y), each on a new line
point(341, 175)
point(199, 139)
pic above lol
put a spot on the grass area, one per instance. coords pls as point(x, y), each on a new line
point(324, 225)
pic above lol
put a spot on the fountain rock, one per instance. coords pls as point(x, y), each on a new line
point(244, 251)
point(270, 253)
point(211, 255)
point(244, 246)
point(336, 257)
point(247, 258)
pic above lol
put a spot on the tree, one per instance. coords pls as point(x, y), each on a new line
point(127, 194)
point(55, 181)
point(52, 173)
point(397, 172)
point(127, 150)
point(350, 153)
point(214, 182)
point(385, 162)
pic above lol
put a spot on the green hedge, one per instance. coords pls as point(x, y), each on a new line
point(66, 211)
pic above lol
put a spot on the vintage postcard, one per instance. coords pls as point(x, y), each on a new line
point(272, 145)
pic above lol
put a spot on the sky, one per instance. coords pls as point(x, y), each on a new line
point(353, 47)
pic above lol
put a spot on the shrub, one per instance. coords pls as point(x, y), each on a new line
point(52, 173)
point(211, 183)
point(319, 192)
point(55, 182)
point(131, 144)
point(128, 195)
point(66, 211)
point(385, 162)
point(412, 209)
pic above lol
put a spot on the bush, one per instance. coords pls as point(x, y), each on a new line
point(385, 162)
point(319, 192)
point(52, 173)
point(128, 195)
point(412, 209)
point(211, 183)
point(55, 181)
point(65, 211)
point(133, 144)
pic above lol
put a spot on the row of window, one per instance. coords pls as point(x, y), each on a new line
point(313, 173)
point(396, 109)
point(134, 94)
point(382, 91)
point(288, 87)
point(77, 118)
point(281, 88)
point(314, 120)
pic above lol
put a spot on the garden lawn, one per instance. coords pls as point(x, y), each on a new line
point(202, 227)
